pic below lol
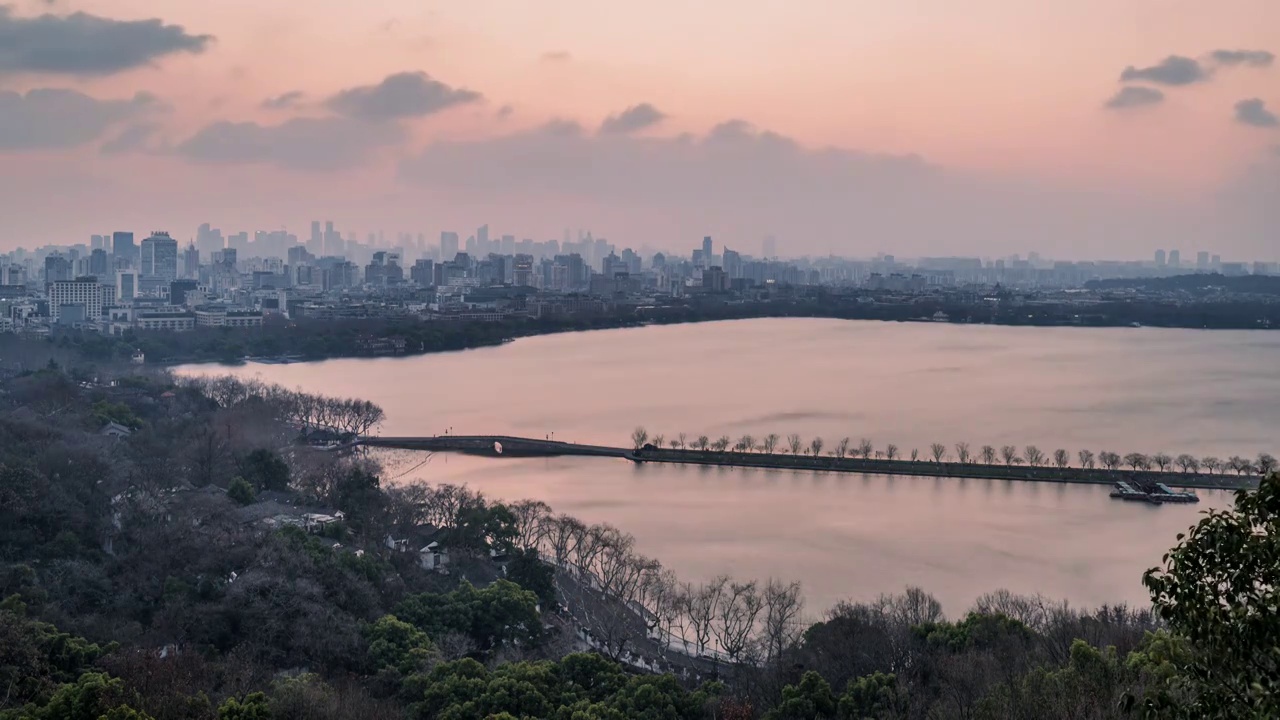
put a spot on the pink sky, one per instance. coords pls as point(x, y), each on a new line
point(998, 99)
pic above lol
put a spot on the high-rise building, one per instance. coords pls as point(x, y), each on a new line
point(56, 269)
point(482, 239)
point(732, 264)
point(99, 264)
point(191, 261)
point(126, 285)
point(333, 244)
point(1175, 259)
point(1161, 259)
point(84, 292)
point(448, 246)
point(159, 257)
point(316, 243)
point(122, 247)
point(708, 251)
point(769, 247)
point(1202, 260)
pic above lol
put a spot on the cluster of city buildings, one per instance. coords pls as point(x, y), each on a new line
point(114, 284)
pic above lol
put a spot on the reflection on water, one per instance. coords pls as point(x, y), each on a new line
point(911, 384)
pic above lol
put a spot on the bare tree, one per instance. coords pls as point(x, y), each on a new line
point(770, 443)
point(681, 438)
point(721, 444)
point(1265, 464)
point(781, 622)
point(1109, 460)
point(794, 444)
point(1137, 461)
point(963, 453)
point(1035, 458)
point(740, 604)
point(1086, 458)
point(1187, 462)
point(815, 447)
point(939, 452)
point(1061, 458)
point(675, 444)
point(1010, 455)
point(988, 455)
point(748, 443)
point(1211, 463)
point(865, 448)
point(701, 608)
point(639, 437)
point(659, 441)
point(1239, 464)
point(891, 451)
point(842, 448)
point(1161, 460)
point(531, 522)
point(915, 454)
point(702, 443)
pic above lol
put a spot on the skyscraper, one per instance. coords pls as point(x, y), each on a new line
point(191, 262)
point(98, 264)
point(448, 246)
point(316, 244)
point(1175, 259)
point(707, 251)
point(1202, 260)
point(1160, 258)
point(769, 247)
point(159, 257)
point(122, 247)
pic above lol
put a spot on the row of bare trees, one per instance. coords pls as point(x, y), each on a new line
point(306, 411)
point(965, 453)
point(630, 603)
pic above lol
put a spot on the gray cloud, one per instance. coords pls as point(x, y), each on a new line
point(1254, 112)
point(309, 144)
point(1252, 58)
point(505, 112)
point(556, 56)
point(1173, 70)
point(83, 44)
point(56, 118)
point(132, 139)
point(1132, 96)
point(633, 119)
point(406, 94)
point(284, 101)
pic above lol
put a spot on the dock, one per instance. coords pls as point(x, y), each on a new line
point(1158, 482)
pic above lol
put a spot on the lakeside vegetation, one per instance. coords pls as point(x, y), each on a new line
point(1251, 307)
point(1007, 456)
point(197, 568)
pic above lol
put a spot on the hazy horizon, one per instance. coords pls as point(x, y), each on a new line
point(1090, 129)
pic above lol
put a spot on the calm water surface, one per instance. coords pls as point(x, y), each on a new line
point(843, 536)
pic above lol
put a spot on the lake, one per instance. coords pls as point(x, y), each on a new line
point(913, 384)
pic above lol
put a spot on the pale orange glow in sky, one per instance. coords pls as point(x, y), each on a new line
point(1008, 90)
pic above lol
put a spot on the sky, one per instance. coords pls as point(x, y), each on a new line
point(1084, 129)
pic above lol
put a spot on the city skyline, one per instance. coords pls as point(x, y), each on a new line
point(847, 128)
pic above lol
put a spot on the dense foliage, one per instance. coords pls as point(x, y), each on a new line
point(198, 569)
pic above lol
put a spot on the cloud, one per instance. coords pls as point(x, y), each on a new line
point(742, 182)
point(1254, 112)
point(556, 56)
point(505, 112)
point(1134, 96)
point(87, 45)
point(47, 118)
point(633, 119)
point(132, 139)
point(284, 101)
point(1173, 70)
point(1251, 58)
point(308, 144)
point(402, 95)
